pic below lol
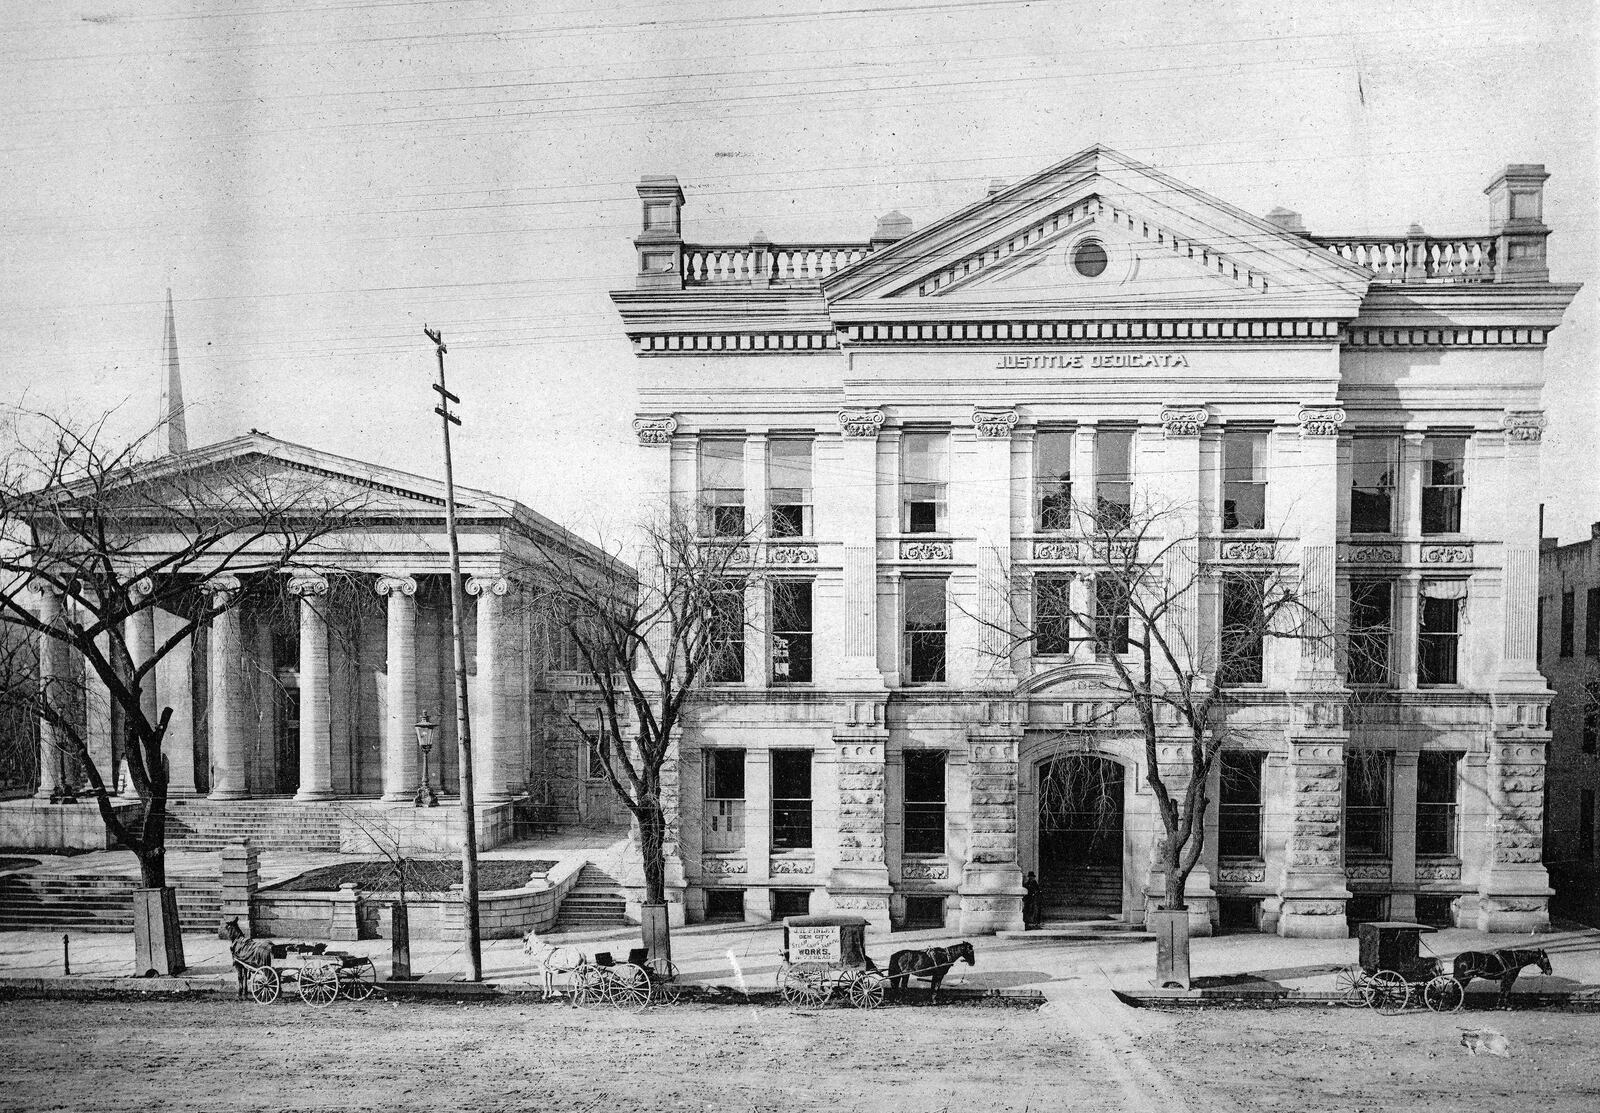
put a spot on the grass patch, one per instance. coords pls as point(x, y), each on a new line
point(426, 875)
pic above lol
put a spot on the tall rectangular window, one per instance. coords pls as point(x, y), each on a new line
point(724, 799)
point(791, 631)
point(1591, 622)
point(924, 606)
point(789, 487)
point(1239, 809)
point(1366, 803)
point(1371, 626)
point(1586, 823)
point(1439, 630)
point(1052, 478)
point(1436, 803)
point(1110, 615)
point(1540, 615)
point(1374, 462)
point(924, 477)
point(1589, 708)
point(1113, 478)
point(924, 804)
point(722, 488)
point(595, 765)
point(1443, 480)
point(1569, 621)
point(1244, 480)
point(1243, 642)
point(725, 633)
point(1052, 615)
point(791, 799)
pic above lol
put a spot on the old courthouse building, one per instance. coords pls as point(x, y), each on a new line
point(902, 419)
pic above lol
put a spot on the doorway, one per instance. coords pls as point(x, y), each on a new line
point(1080, 837)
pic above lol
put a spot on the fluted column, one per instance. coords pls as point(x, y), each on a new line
point(316, 730)
point(490, 739)
point(1520, 529)
point(1179, 526)
point(399, 740)
point(1317, 478)
point(52, 689)
point(985, 504)
point(230, 778)
point(856, 514)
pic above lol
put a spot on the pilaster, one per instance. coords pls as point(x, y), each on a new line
point(1514, 893)
point(991, 883)
point(1311, 890)
point(1403, 855)
point(1519, 526)
point(1317, 520)
point(855, 513)
point(986, 516)
point(859, 882)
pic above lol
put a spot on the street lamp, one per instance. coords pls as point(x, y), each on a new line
point(426, 729)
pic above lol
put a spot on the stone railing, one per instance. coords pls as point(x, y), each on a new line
point(1417, 258)
point(765, 264)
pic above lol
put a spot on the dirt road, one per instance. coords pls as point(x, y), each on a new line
point(79, 1055)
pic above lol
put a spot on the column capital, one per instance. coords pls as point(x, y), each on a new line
point(488, 585)
point(222, 585)
point(396, 585)
point(1320, 421)
point(1183, 420)
point(307, 584)
point(995, 423)
point(1525, 425)
point(864, 422)
point(141, 589)
point(655, 430)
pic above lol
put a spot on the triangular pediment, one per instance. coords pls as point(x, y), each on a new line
point(1098, 234)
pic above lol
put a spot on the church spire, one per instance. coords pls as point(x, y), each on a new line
point(174, 434)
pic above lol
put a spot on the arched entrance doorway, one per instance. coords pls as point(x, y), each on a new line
point(1080, 837)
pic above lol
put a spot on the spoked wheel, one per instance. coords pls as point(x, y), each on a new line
point(264, 985)
point(589, 985)
point(1391, 993)
point(319, 985)
point(867, 989)
point(664, 988)
point(662, 969)
point(359, 982)
point(628, 986)
point(1352, 987)
point(1443, 994)
point(805, 984)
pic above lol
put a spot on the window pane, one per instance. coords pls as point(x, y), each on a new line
point(1569, 621)
point(924, 604)
point(791, 631)
point(924, 802)
point(722, 464)
point(1239, 809)
point(789, 487)
point(1591, 623)
point(922, 458)
point(1110, 615)
point(1052, 604)
point(1113, 480)
point(791, 799)
point(1370, 629)
point(1436, 777)
point(1367, 820)
point(1373, 462)
point(925, 630)
point(724, 774)
point(725, 635)
point(1243, 635)
point(1052, 455)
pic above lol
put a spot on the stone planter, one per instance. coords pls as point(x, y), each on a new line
point(1171, 929)
point(157, 936)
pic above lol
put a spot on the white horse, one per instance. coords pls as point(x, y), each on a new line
point(549, 960)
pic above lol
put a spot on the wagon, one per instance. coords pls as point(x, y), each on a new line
point(1392, 971)
point(824, 956)
point(318, 974)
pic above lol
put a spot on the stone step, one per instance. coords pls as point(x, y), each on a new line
point(90, 903)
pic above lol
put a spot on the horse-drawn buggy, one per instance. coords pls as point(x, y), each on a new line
point(826, 955)
point(319, 975)
point(1393, 972)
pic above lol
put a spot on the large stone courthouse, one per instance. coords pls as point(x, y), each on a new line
point(904, 419)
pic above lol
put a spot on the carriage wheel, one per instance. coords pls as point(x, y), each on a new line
point(589, 985)
point(866, 990)
point(662, 969)
point(1444, 994)
point(804, 985)
point(360, 982)
point(1352, 987)
point(264, 985)
point(1391, 993)
point(319, 985)
point(627, 986)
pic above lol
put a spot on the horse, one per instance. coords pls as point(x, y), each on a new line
point(931, 964)
point(247, 953)
point(1504, 964)
point(549, 960)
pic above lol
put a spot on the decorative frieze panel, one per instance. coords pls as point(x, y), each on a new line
point(861, 904)
point(994, 423)
point(723, 867)
point(1055, 550)
point(1260, 551)
point(791, 867)
point(655, 430)
point(1447, 554)
point(925, 871)
point(860, 422)
point(1370, 554)
point(1255, 874)
point(927, 550)
point(1320, 421)
point(1370, 871)
point(1438, 871)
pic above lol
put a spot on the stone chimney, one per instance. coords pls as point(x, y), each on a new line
point(660, 242)
point(1516, 220)
point(892, 226)
point(1288, 220)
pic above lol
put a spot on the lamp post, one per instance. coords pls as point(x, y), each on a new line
point(426, 729)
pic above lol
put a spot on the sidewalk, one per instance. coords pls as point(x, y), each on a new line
point(746, 957)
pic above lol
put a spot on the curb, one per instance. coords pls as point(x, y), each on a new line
point(1581, 1000)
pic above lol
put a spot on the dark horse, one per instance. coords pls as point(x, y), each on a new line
point(247, 952)
point(931, 964)
point(1504, 965)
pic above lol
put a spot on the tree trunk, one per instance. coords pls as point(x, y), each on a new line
point(652, 847)
point(1174, 876)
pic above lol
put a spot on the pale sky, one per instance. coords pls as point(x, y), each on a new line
point(316, 181)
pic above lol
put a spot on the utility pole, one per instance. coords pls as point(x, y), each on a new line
point(469, 827)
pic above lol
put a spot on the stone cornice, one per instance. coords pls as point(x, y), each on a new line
point(973, 329)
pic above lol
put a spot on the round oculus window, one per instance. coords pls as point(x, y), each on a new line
point(1089, 259)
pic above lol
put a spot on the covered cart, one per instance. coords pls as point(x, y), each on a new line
point(1392, 970)
point(824, 955)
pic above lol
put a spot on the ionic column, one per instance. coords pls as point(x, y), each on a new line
point(230, 778)
point(857, 520)
point(53, 683)
point(489, 699)
point(991, 881)
point(141, 639)
point(316, 728)
point(399, 740)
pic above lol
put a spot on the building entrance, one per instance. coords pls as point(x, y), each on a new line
point(1080, 837)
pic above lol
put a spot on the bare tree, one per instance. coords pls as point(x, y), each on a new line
point(647, 645)
point(1170, 678)
point(95, 536)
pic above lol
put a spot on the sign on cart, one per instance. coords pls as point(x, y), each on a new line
point(814, 944)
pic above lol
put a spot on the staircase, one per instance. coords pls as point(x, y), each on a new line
point(594, 902)
point(87, 902)
point(208, 825)
point(1081, 894)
